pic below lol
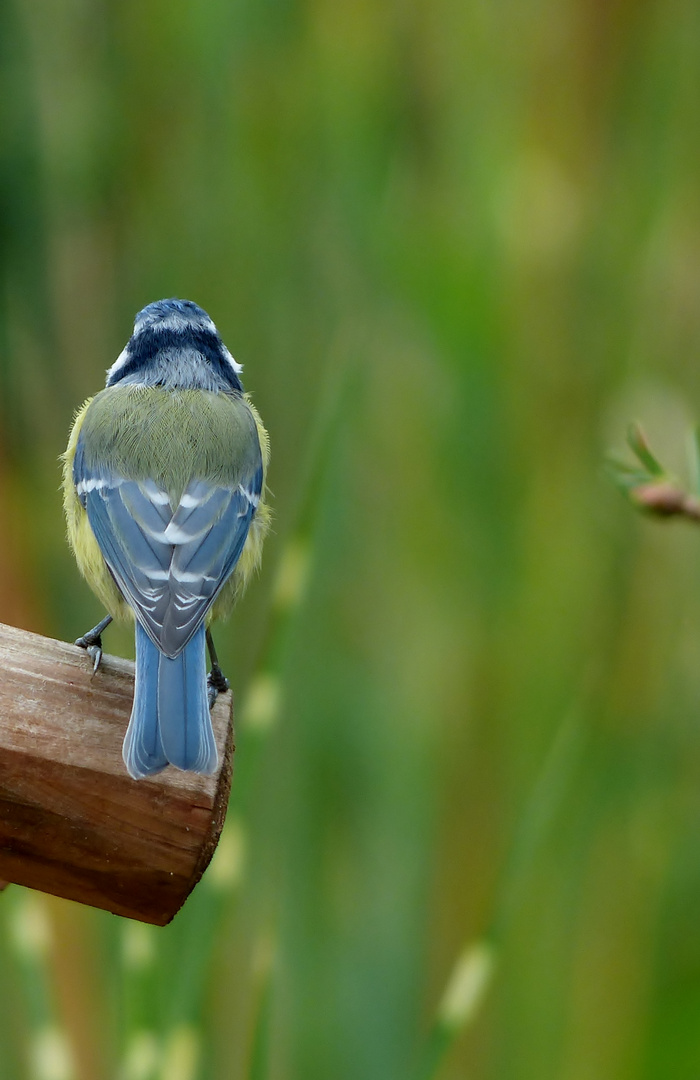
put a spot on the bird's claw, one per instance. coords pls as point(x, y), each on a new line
point(95, 654)
point(217, 683)
point(93, 647)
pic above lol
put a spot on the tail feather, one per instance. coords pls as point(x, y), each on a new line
point(170, 721)
point(183, 707)
point(143, 751)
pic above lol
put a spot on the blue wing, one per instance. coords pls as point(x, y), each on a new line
point(170, 562)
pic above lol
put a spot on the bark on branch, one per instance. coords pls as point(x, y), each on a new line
point(72, 821)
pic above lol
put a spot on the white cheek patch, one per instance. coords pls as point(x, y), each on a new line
point(118, 363)
point(238, 368)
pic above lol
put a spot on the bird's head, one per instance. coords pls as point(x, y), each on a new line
point(177, 346)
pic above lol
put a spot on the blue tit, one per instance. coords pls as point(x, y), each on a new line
point(164, 495)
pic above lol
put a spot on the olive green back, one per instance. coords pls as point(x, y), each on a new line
point(171, 436)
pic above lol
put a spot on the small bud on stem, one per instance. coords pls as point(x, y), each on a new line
point(665, 500)
point(647, 484)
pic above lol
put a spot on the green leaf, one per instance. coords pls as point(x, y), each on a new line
point(636, 440)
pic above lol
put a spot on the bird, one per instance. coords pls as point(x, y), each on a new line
point(164, 492)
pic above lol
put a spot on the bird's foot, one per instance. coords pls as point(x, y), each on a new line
point(92, 642)
point(93, 647)
point(217, 683)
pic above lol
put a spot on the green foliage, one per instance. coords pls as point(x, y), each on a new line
point(456, 248)
point(647, 484)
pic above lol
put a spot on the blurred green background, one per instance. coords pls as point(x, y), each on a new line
point(456, 246)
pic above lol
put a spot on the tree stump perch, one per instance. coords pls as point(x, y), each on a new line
point(72, 821)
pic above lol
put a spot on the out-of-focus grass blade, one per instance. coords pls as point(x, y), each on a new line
point(696, 448)
point(49, 1053)
point(260, 1045)
point(464, 993)
point(474, 968)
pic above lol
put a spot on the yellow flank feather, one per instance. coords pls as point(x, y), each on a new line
point(252, 549)
point(89, 557)
point(81, 538)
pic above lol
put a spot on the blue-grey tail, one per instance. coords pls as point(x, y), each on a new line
point(170, 720)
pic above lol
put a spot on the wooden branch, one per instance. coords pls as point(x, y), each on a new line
point(72, 821)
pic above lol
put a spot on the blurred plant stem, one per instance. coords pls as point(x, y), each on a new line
point(653, 490)
point(475, 967)
point(263, 700)
point(463, 996)
point(31, 940)
point(260, 1042)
